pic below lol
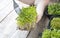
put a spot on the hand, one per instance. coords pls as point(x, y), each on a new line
point(29, 2)
point(40, 9)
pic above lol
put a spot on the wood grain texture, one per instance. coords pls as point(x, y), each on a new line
point(43, 23)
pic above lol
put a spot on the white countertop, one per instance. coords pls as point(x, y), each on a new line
point(8, 26)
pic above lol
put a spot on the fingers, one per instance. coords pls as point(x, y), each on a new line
point(38, 18)
point(40, 9)
point(29, 2)
point(47, 2)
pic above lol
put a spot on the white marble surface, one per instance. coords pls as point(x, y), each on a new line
point(6, 6)
point(8, 27)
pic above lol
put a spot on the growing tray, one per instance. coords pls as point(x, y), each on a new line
point(49, 25)
point(53, 9)
point(50, 16)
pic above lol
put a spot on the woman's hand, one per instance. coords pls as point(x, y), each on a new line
point(40, 9)
point(41, 4)
point(29, 2)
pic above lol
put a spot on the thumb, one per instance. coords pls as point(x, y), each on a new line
point(40, 10)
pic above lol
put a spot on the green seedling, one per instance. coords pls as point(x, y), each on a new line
point(55, 23)
point(51, 33)
point(27, 18)
point(54, 9)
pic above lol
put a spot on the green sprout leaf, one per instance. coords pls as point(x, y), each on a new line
point(27, 17)
point(51, 33)
point(46, 33)
point(55, 23)
point(54, 9)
